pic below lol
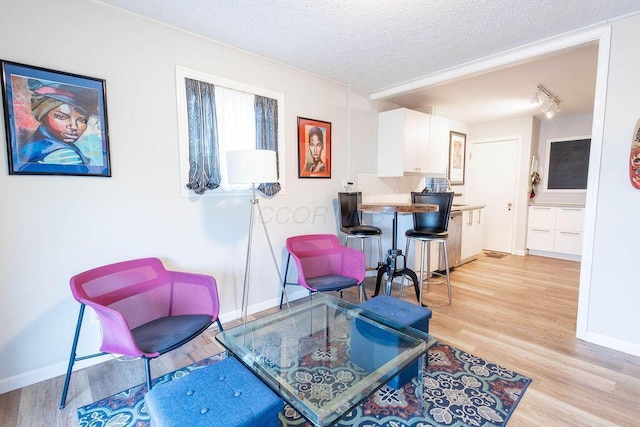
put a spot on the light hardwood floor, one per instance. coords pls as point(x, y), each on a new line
point(519, 312)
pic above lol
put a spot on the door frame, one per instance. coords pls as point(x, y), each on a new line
point(601, 35)
point(518, 183)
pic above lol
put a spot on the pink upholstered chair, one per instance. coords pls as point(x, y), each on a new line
point(324, 265)
point(144, 310)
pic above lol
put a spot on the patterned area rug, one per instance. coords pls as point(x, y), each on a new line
point(459, 389)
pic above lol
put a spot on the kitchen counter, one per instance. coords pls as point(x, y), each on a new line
point(406, 198)
point(462, 207)
point(466, 237)
point(562, 205)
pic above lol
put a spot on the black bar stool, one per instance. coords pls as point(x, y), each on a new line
point(431, 227)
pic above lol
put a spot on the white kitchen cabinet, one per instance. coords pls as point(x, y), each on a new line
point(541, 228)
point(472, 234)
point(416, 148)
point(438, 157)
point(411, 142)
point(542, 217)
point(555, 231)
point(569, 225)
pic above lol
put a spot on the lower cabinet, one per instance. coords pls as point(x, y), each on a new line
point(555, 230)
point(472, 234)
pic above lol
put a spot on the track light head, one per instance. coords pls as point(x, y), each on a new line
point(535, 99)
point(552, 104)
point(552, 107)
point(549, 114)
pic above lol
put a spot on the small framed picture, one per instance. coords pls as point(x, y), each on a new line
point(314, 148)
point(56, 122)
point(457, 152)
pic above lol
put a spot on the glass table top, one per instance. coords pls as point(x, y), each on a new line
point(326, 356)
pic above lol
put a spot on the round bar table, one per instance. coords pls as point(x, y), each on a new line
point(390, 265)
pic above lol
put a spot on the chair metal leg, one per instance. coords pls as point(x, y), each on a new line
point(380, 254)
point(407, 246)
point(422, 269)
point(428, 242)
point(72, 357)
point(284, 281)
point(147, 368)
point(446, 266)
point(220, 324)
point(363, 293)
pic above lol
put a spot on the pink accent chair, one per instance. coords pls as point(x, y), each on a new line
point(143, 309)
point(324, 265)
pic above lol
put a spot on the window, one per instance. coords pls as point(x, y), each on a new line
point(233, 126)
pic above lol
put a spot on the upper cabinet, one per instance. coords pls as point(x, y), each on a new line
point(412, 142)
point(439, 145)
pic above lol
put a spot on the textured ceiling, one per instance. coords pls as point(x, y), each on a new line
point(383, 44)
point(569, 74)
point(377, 44)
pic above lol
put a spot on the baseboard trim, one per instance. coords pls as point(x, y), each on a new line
point(558, 255)
point(613, 343)
point(46, 373)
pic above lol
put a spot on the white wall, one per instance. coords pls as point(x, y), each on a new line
point(609, 288)
point(560, 126)
point(613, 315)
point(53, 227)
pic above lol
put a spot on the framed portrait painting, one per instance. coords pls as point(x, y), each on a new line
point(314, 148)
point(56, 122)
point(457, 152)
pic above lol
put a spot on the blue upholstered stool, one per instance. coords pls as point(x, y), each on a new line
point(225, 394)
point(371, 347)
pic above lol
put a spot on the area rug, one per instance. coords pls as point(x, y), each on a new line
point(492, 254)
point(459, 389)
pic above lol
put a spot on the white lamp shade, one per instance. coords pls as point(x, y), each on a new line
point(251, 166)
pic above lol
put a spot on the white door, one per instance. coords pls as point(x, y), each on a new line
point(492, 182)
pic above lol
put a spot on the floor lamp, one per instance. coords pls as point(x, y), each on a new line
point(253, 167)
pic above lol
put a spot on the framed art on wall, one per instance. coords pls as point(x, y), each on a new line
point(314, 148)
point(56, 122)
point(457, 152)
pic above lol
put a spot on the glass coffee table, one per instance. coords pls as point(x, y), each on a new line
point(326, 356)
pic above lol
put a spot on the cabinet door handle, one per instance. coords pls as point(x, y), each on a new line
point(470, 221)
point(535, 208)
point(479, 213)
point(541, 230)
point(571, 209)
point(571, 233)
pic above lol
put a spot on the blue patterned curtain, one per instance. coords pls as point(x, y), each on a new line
point(267, 135)
point(204, 159)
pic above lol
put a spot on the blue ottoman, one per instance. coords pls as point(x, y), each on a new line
point(225, 394)
point(371, 347)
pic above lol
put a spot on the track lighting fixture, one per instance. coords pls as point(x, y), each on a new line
point(535, 99)
point(552, 104)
